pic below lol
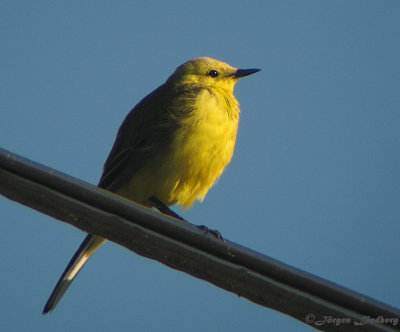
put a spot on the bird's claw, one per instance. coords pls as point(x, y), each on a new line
point(213, 232)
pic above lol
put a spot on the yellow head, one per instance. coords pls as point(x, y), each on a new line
point(209, 72)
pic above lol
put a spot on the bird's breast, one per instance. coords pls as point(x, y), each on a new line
point(203, 146)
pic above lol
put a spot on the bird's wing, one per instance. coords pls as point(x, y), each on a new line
point(147, 130)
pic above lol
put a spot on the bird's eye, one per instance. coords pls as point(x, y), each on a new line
point(213, 73)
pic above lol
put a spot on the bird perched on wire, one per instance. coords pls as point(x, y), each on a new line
point(171, 147)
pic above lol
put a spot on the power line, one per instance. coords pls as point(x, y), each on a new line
point(183, 246)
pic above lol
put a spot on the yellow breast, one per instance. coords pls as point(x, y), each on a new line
point(202, 148)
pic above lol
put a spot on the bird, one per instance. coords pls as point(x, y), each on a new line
point(171, 147)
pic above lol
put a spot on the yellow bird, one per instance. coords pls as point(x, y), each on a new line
point(171, 147)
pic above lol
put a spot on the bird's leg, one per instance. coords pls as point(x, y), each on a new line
point(166, 210)
point(160, 206)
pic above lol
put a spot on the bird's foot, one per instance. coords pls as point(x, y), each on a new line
point(213, 232)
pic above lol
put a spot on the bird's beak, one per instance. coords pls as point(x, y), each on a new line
point(244, 72)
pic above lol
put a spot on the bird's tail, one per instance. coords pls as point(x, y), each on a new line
point(86, 249)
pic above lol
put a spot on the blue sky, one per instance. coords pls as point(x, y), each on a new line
point(315, 177)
